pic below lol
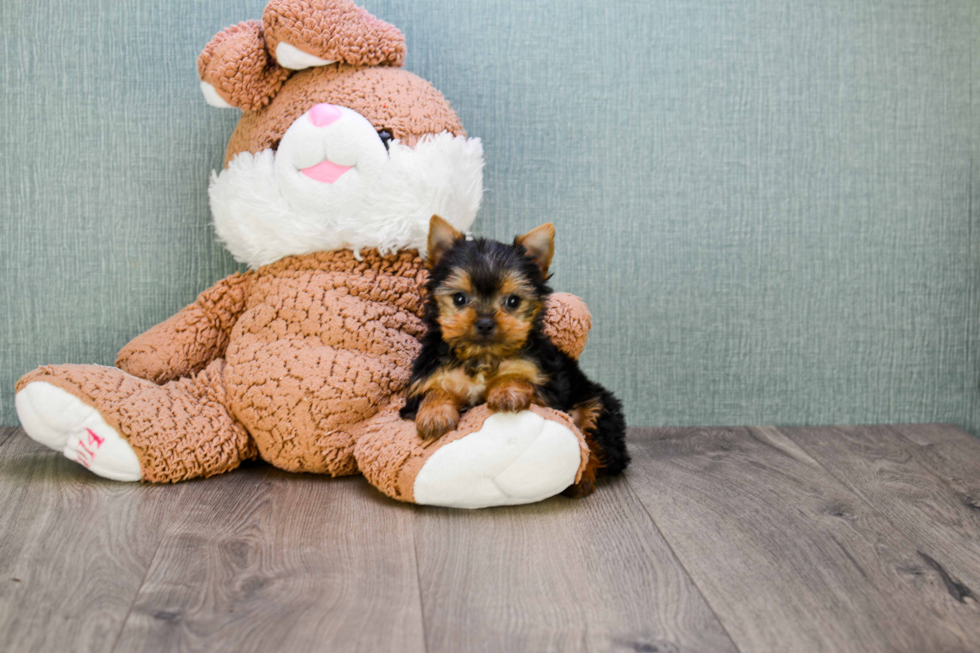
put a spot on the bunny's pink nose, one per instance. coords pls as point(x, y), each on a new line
point(324, 114)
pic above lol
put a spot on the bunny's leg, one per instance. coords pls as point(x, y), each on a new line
point(489, 460)
point(128, 429)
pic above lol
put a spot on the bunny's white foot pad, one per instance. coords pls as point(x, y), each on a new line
point(515, 458)
point(63, 422)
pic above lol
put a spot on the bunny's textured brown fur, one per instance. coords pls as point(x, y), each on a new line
point(308, 356)
point(302, 362)
point(334, 30)
point(238, 66)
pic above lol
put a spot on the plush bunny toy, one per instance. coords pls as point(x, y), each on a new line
point(337, 164)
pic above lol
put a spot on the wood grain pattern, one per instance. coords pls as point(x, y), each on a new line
point(562, 575)
point(73, 549)
point(263, 560)
point(5, 433)
point(789, 558)
point(892, 475)
point(761, 539)
point(951, 454)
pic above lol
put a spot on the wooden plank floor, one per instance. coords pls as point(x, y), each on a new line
point(717, 539)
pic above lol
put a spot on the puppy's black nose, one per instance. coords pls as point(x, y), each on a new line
point(484, 326)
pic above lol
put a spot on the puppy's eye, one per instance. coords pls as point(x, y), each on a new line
point(513, 301)
point(385, 137)
point(459, 299)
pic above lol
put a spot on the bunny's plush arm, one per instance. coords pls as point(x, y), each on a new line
point(489, 459)
point(567, 323)
point(184, 344)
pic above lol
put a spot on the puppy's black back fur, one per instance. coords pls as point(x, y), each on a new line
point(568, 387)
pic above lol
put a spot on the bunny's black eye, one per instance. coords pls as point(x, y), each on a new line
point(459, 299)
point(513, 301)
point(385, 137)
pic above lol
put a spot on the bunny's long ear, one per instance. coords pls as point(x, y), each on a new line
point(237, 71)
point(305, 33)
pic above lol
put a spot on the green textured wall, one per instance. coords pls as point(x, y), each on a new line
point(770, 206)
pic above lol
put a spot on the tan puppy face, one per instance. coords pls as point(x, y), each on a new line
point(485, 300)
point(487, 294)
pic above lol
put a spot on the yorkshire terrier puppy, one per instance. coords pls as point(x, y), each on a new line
point(484, 309)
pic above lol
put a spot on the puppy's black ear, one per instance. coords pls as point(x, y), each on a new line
point(540, 245)
point(442, 237)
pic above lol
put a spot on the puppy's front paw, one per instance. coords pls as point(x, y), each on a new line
point(580, 490)
point(436, 418)
point(510, 397)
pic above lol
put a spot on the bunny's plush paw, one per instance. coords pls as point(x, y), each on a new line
point(63, 422)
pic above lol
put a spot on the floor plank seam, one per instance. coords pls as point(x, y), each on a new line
point(939, 569)
point(418, 582)
point(680, 562)
point(7, 434)
point(146, 574)
point(857, 492)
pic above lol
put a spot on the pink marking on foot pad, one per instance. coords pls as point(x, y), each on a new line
point(325, 171)
point(93, 441)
